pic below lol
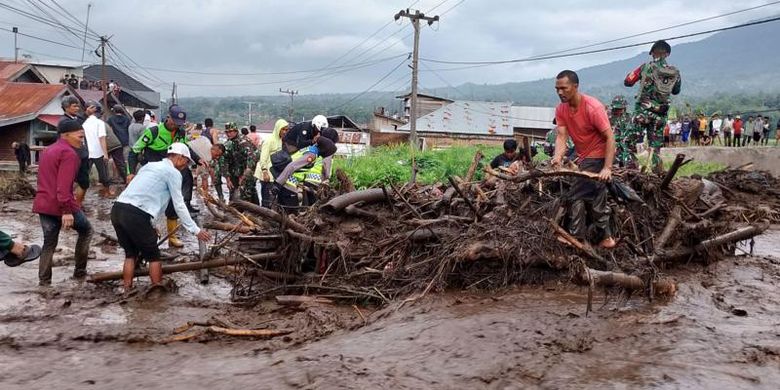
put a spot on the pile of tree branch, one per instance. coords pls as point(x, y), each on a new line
point(393, 242)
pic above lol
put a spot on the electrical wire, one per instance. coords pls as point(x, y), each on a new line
point(369, 88)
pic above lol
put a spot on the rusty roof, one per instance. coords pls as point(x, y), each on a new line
point(9, 69)
point(24, 99)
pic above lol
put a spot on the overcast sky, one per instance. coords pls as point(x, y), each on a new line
point(251, 37)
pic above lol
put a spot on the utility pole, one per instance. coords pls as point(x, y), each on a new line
point(103, 41)
point(415, 18)
point(292, 100)
point(16, 46)
point(249, 111)
point(86, 27)
point(174, 94)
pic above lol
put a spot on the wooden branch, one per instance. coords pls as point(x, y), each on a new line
point(678, 162)
point(182, 267)
point(108, 237)
point(536, 174)
point(269, 214)
point(465, 198)
point(340, 202)
point(737, 235)
point(473, 167)
point(582, 246)
point(297, 300)
point(588, 276)
point(356, 211)
point(671, 224)
point(228, 227)
point(345, 183)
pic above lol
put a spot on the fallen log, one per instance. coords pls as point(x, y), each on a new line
point(425, 234)
point(734, 236)
point(269, 215)
point(228, 227)
point(590, 276)
point(342, 201)
point(356, 211)
point(573, 241)
point(182, 267)
point(297, 300)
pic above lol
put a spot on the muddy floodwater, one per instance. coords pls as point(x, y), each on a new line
point(721, 331)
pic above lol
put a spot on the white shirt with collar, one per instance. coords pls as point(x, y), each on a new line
point(94, 128)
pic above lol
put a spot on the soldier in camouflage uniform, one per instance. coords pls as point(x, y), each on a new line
point(658, 81)
point(626, 136)
point(237, 165)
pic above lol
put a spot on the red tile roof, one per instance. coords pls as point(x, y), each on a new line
point(20, 99)
point(53, 120)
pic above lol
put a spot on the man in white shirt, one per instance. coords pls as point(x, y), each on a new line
point(95, 136)
point(727, 128)
point(716, 125)
point(144, 199)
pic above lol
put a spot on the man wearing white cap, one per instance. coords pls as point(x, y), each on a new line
point(144, 199)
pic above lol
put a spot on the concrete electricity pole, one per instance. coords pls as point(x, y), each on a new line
point(292, 100)
point(249, 111)
point(16, 46)
point(86, 27)
point(415, 18)
point(103, 42)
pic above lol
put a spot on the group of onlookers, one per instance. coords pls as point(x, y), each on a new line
point(731, 130)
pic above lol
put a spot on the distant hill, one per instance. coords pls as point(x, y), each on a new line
point(730, 70)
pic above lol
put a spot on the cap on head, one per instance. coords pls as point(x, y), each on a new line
point(179, 148)
point(661, 45)
point(320, 122)
point(68, 126)
point(178, 115)
point(231, 126)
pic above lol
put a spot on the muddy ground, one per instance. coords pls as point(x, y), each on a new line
point(721, 330)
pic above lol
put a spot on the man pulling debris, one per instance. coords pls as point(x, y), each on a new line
point(658, 81)
point(299, 178)
point(152, 147)
point(144, 199)
point(584, 119)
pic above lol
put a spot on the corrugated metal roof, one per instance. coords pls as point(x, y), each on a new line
point(484, 118)
point(23, 99)
point(468, 117)
point(10, 69)
point(533, 117)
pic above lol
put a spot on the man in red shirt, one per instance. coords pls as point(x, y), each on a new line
point(55, 202)
point(738, 131)
point(584, 119)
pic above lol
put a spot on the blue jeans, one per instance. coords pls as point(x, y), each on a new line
point(51, 225)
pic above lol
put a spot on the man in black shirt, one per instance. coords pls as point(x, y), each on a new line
point(508, 158)
point(22, 152)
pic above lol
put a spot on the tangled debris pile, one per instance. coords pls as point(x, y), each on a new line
point(15, 187)
point(383, 244)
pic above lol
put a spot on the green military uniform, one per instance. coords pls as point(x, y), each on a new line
point(239, 160)
point(658, 81)
point(626, 135)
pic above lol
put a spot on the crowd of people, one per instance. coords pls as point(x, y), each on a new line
point(94, 85)
point(730, 130)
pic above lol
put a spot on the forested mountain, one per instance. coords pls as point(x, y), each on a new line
point(733, 70)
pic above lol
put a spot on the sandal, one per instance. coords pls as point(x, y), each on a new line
point(30, 253)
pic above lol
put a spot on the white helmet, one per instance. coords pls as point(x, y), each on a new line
point(319, 122)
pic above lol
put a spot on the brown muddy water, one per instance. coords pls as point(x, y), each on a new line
point(721, 331)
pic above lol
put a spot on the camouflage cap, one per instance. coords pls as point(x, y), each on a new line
point(618, 102)
point(231, 126)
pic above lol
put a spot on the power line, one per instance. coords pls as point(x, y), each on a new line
point(369, 88)
point(539, 58)
point(41, 39)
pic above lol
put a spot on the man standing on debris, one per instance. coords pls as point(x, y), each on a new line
point(584, 119)
point(22, 153)
point(55, 202)
point(240, 160)
point(156, 185)
point(152, 147)
point(626, 136)
point(658, 81)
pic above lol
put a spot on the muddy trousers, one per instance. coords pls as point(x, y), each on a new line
point(102, 170)
point(589, 198)
point(51, 226)
point(118, 156)
point(187, 182)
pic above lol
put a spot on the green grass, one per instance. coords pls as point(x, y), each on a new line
point(392, 164)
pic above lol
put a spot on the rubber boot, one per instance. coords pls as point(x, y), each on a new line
point(173, 240)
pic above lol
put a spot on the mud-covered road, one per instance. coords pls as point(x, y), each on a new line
point(721, 330)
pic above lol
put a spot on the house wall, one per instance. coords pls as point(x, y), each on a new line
point(381, 139)
point(425, 106)
point(534, 134)
point(381, 123)
point(19, 132)
point(54, 73)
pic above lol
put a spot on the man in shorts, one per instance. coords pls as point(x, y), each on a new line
point(144, 199)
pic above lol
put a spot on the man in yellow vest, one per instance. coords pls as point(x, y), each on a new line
point(309, 167)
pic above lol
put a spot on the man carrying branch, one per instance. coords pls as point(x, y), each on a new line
point(584, 119)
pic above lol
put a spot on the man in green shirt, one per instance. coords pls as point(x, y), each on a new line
point(153, 146)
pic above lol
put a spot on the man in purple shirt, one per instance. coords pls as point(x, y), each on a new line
point(55, 202)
